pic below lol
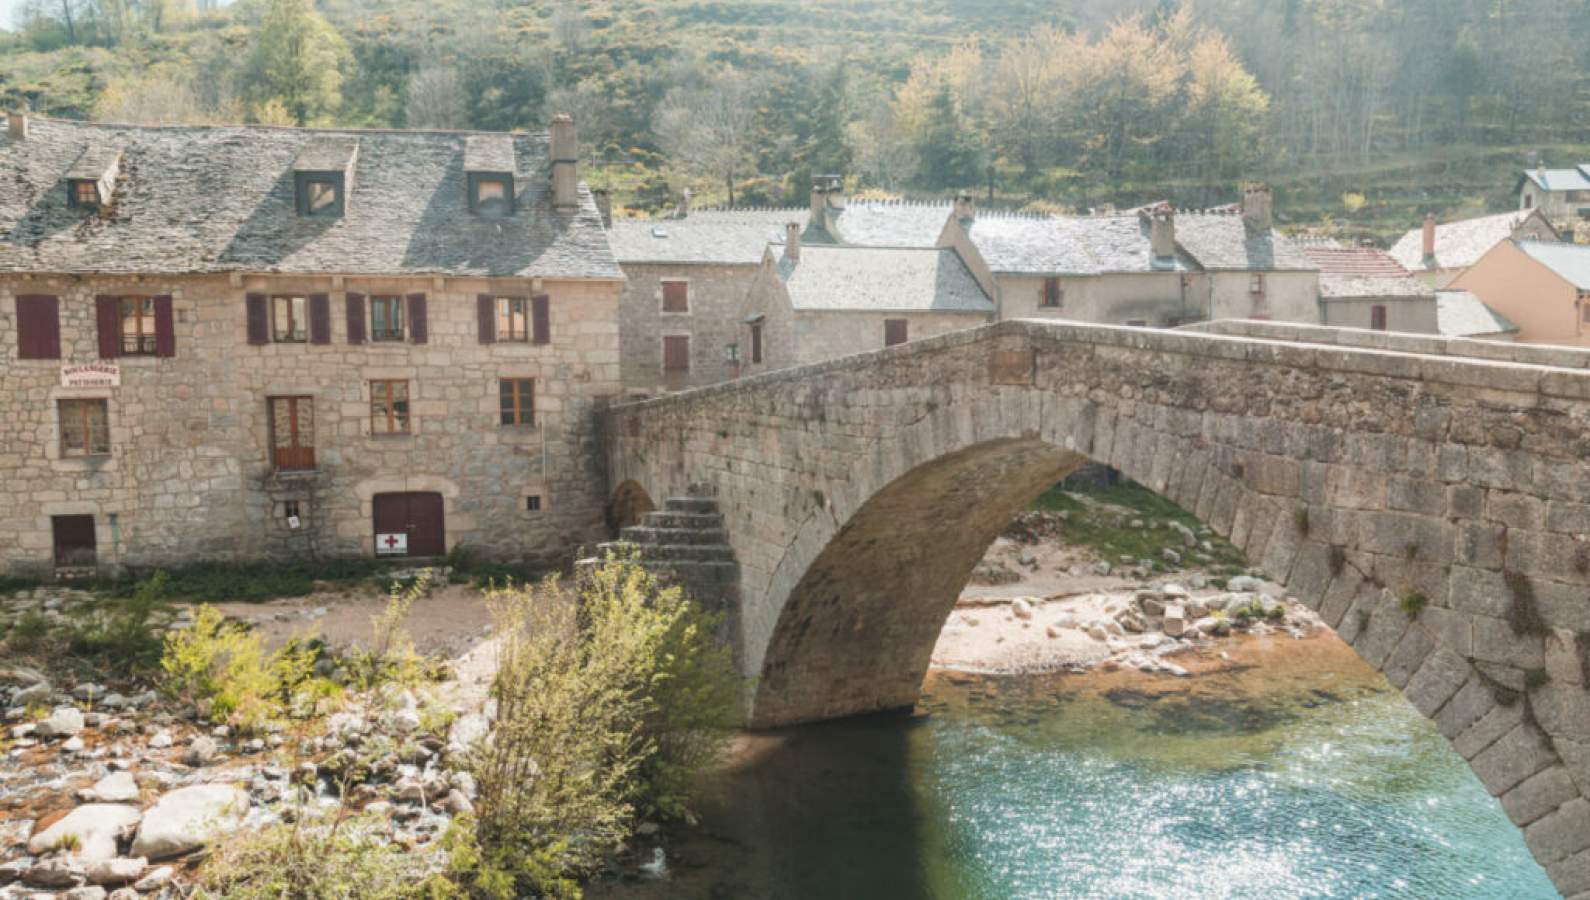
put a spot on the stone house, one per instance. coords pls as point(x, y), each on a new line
point(1361, 287)
point(813, 303)
point(223, 343)
point(1541, 286)
point(1439, 252)
point(1562, 195)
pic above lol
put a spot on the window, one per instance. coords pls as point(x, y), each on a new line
point(292, 433)
point(756, 342)
point(894, 332)
point(386, 318)
point(1584, 309)
point(1136, 323)
point(85, 427)
point(320, 198)
point(1377, 318)
point(493, 196)
point(137, 325)
point(517, 398)
point(675, 297)
point(676, 360)
point(1256, 283)
point(513, 319)
point(389, 407)
point(1053, 294)
point(290, 319)
point(290, 509)
point(85, 194)
point(1529, 201)
point(532, 503)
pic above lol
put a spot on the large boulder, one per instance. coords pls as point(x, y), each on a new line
point(93, 827)
point(120, 870)
point(186, 819)
point(65, 721)
point(117, 787)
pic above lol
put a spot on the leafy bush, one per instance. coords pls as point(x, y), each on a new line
point(257, 582)
point(222, 663)
point(390, 656)
point(608, 701)
point(28, 633)
point(118, 634)
point(339, 860)
point(1414, 603)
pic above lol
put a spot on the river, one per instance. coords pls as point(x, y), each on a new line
point(1293, 770)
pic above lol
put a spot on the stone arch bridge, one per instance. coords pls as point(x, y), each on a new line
point(1355, 468)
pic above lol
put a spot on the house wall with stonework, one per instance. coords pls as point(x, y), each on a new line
point(1416, 315)
point(819, 336)
point(1288, 296)
point(716, 294)
point(189, 475)
point(1116, 299)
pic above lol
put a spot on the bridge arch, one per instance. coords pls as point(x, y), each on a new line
point(858, 495)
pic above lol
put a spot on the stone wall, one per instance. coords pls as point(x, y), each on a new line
point(1415, 315)
point(1288, 296)
point(1155, 298)
point(859, 493)
point(716, 294)
point(189, 478)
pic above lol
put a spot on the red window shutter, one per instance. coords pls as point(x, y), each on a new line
point(541, 316)
point(319, 318)
point(38, 327)
point(259, 319)
point(165, 328)
point(108, 318)
point(486, 312)
point(419, 327)
point(355, 318)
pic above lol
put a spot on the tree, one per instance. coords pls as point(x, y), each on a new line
point(297, 62)
point(435, 99)
point(947, 151)
point(1225, 109)
point(707, 128)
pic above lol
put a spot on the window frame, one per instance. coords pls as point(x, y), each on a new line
point(505, 306)
point(1256, 283)
point(87, 449)
point(1053, 293)
point(683, 285)
point(294, 403)
point(389, 335)
point(144, 342)
point(888, 332)
point(292, 319)
point(478, 180)
point(306, 181)
point(756, 343)
point(74, 193)
point(520, 409)
point(384, 389)
point(1378, 317)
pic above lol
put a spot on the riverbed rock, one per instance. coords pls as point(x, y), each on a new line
point(1188, 539)
point(1066, 620)
point(1021, 608)
point(185, 820)
point(1244, 584)
point(154, 880)
point(201, 752)
point(65, 721)
point(119, 870)
point(86, 892)
point(1175, 620)
point(161, 740)
point(55, 872)
point(467, 729)
point(95, 827)
point(1097, 632)
point(33, 693)
point(1101, 568)
point(117, 787)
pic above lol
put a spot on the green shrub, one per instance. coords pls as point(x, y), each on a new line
point(247, 687)
point(391, 656)
point(118, 635)
point(11, 584)
point(1414, 603)
point(321, 860)
point(257, 582)
point(29, 632)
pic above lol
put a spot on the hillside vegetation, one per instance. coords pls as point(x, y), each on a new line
point(1363, 113)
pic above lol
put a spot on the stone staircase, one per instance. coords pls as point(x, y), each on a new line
point(684, 543)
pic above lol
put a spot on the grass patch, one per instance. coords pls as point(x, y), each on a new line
point(1413, 603)
point(1100, 519)
point(10, 584)
point(256, 582)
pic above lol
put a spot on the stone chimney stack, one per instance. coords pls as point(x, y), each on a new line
point(792, 241)
point(1162, 231)
point(965, 207)
point(836, 192)
point(17, 125)
point(604, 205)
point(1429, 237)
point(682, 208)
point(819, 200)
point(565, 164)
point(1257, 209)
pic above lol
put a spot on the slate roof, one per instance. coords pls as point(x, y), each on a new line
point(1575, 179)
point(1459, 244)
point(888, 223)
point(1461, 314)
point(722, 237)
point(195, 199)
point(872, 279)
point(1221, 241)
point(1358, 272)
point(1571, 262)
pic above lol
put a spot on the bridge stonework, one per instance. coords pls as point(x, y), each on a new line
point(858, 495)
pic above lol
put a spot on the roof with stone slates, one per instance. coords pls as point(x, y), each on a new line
point(720, 237)
point(1461, 314)
point(878, 279)
point(1121, 245)
point(326, 153)
point(95, 160)
point(1359, 272)
point(1575, 179)
point(488, 153)
point(1344, 287)
point(1459, 244)
point(1571, 262)
point(195, 199)
point(1223, 241)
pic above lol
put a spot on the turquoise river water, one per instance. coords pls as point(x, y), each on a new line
point(1294, 772)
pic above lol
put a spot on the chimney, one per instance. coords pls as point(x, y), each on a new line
point(1162, 232)
point(836, 192)
point(682, 208)
point(819, 200)
point(792, 241)
point(1429, 238)
point(17, 125)
point(965, 206)
point(604, 205)
point(565, 163)
point(1256, 208)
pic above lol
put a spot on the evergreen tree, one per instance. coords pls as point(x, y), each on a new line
point(297, 62)
point(947, 149)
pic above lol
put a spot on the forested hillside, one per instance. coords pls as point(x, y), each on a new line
point(1363, 113)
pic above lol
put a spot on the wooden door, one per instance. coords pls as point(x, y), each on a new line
point(292, 433)
point(409, 524)
point(676, 361)
point(75, 544)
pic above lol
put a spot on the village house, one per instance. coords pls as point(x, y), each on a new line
point(1542, 286)
point(814, 303)
point(1439, 252)
point(1562, 195)
point(1361, 287)
point(236, 342)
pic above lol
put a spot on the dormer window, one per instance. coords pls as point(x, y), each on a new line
point(92, 177)
point(320, 196)
point(85, 194)
point(491, 195)
point(489, 164)
point(322, 175)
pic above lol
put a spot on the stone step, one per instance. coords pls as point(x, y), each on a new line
point(717, 572)
point(649, 534)
point(672, 553)
point(690, 504)
point(683, 520)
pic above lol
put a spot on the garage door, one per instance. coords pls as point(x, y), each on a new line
point(409, 524)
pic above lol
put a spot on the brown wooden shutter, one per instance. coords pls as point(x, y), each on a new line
point(38, 327)
point(419, 326)
point(319, 318)
point(165, 327)
point(676, 353)
point(108, 317)
point(541, 319)
point(676, 296)
point(486, 312)
point(259, 319)
point(355, 318)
